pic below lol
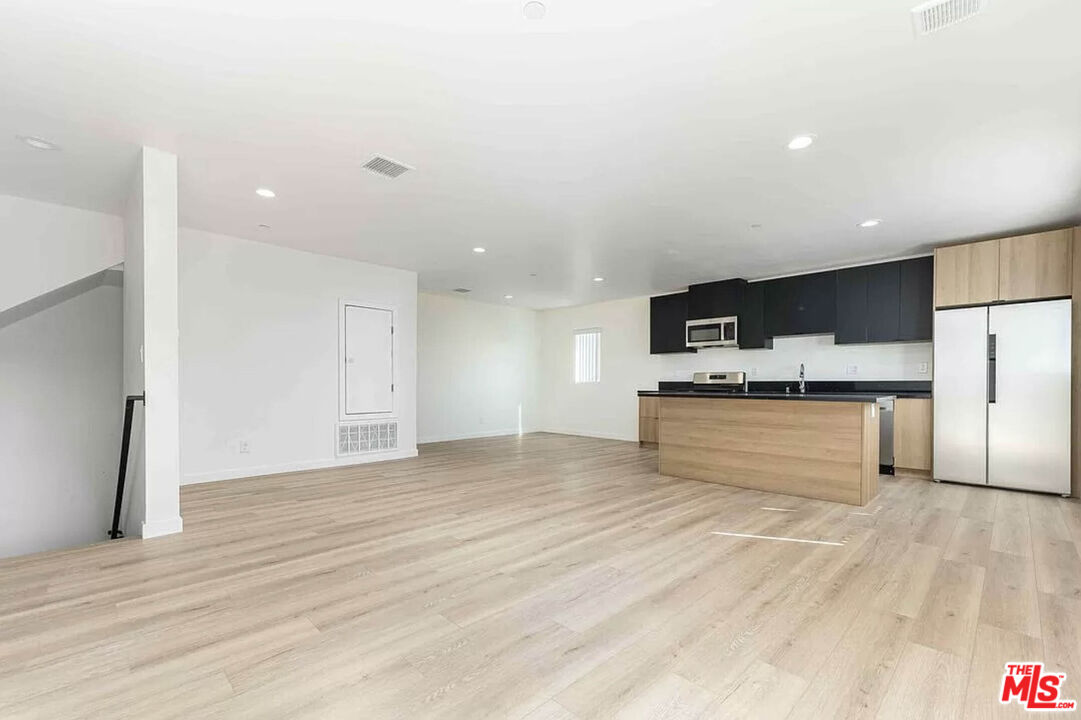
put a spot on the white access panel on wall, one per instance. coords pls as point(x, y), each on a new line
point(367, 376)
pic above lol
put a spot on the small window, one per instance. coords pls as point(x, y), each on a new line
point(587, 356)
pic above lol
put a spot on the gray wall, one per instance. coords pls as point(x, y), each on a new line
point(61, 409)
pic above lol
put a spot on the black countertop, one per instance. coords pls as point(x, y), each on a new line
point(768, 395)
point(875, 388)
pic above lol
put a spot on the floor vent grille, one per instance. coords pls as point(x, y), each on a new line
point(357, 438)
point(930, 17)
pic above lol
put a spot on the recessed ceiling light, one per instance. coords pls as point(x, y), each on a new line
point(870, 223)
point(800, 142)
point(265, 192)
point(598, 279)
point(508, 297)
point(534, 10)
point(38, 143)
point(479, 250)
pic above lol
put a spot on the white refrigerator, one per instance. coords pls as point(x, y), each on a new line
point(1002, 396)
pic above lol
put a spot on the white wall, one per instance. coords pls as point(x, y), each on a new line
point(60, 417)
point(609, 408)
point(151, 352)
point(45, 246)
point(134, 514)
point(259, 355)
point(161, 351)
point(476, 369)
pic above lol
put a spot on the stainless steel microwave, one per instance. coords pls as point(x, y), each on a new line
point(712, 332)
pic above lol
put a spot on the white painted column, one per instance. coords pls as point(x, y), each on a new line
point(151, 346)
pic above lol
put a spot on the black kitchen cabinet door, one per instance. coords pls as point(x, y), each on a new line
point(668, 324)
point(883, 302)
point(916, 318)
point(851, 306)
point(779, 296)
point(752, 321)
point(801, 305)
point(715, 299)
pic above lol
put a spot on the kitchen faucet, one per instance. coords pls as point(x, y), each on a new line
point(802, 384)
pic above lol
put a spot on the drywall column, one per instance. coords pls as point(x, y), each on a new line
point(151, 346)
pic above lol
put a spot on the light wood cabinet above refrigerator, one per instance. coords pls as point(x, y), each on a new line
point(1026, 267)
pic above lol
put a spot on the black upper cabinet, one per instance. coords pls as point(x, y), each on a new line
point(751, 330)
point(668, 324)
point(883, 302)
point(887, 302)
point(917, 278)
point(715, 299)
point(851, 306)
point(801, 305)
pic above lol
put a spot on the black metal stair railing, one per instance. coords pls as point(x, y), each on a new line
point(125, 443)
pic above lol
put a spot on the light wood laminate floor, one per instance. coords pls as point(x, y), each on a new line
point(548, 577)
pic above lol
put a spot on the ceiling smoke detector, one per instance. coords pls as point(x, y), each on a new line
point(534, 10)
point(385, 166)
point(930, 17)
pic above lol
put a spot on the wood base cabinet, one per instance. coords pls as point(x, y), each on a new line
point(648, 412)
point(819, 450)
point(912, 436)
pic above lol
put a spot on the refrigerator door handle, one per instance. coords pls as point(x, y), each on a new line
point(992, 342)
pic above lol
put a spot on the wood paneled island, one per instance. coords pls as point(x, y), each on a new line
point(816, 446)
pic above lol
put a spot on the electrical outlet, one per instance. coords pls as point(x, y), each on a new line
point(852, 370)
point(243, 447)
point(922, 370)
point(754, 372)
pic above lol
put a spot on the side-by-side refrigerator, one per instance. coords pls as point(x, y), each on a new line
point(1002, 396)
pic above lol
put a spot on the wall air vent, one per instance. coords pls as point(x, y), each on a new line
point(385, 166)
point(357, 438)
point(930, 17)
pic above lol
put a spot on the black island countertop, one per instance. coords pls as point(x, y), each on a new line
point(821, 390)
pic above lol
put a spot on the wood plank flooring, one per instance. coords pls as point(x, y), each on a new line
point(548, 578)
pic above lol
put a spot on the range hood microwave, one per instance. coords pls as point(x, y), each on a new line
point(712, 332)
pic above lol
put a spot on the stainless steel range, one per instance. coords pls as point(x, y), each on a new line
point(721, 381)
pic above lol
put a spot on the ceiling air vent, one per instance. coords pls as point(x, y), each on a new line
point(386, 166)
point(930, 17)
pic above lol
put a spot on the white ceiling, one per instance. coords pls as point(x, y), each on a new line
point(635, 139)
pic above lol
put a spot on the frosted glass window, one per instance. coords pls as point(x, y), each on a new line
point(587, 356)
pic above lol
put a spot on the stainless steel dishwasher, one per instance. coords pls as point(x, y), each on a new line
point(885, 435)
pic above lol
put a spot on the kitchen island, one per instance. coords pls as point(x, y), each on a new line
point(821, 446)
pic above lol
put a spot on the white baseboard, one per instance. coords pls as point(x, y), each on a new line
point(157, 528)
point(582, 433)
point(246, 472)
point(470, 436)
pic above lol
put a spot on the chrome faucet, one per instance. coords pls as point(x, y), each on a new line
point(802, 383)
